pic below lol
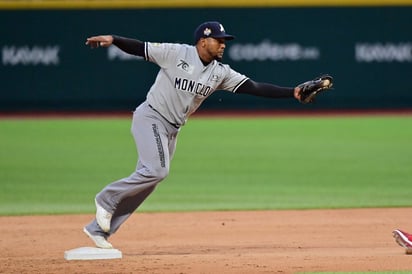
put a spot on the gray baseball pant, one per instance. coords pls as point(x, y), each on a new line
point(155, 140)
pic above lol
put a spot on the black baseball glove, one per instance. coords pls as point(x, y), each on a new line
point(310, 89)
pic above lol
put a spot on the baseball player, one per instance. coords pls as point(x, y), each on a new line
point(188, 75)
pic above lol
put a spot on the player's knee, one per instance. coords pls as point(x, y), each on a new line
point(149, 174)
point(153, 174)
point(160, 174)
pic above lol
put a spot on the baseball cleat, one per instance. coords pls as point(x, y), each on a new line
point(103, 217)
point(403, 239)
point(99, 241)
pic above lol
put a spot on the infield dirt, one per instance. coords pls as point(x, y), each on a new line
point(288, 241)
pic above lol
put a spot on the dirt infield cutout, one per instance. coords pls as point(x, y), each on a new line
point(288, 241)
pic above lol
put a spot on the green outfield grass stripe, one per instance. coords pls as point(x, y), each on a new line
point(53, 166)
point(121, 4)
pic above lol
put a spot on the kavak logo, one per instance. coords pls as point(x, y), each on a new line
point(31, 56)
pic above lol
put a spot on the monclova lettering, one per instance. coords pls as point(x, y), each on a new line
point(192, 86)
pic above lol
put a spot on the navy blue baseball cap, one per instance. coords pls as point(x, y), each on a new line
point(211, 29)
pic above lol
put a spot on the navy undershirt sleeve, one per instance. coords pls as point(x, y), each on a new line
point(265, 90)
point(128, 45)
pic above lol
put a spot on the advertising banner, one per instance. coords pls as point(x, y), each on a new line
point(46, 66)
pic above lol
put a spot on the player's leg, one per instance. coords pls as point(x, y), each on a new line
point(404, 239)
point(128, 205)
point(125, 208)
point(153, 138)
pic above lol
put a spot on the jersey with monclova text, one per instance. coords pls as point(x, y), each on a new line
point(183, 81)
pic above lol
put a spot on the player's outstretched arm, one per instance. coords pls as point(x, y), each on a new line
point(100, 40)
point(268, 90)
point(128, 45)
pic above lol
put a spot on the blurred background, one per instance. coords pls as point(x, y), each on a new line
point(46, 66)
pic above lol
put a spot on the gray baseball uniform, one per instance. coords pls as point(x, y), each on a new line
point(181, 85)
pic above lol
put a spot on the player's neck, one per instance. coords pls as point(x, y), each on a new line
point(203, 57)
point(204, 62)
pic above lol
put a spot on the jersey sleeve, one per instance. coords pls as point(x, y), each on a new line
point(232, 80)
point(161, 53)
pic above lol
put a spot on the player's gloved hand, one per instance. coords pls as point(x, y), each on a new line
point(307, 91)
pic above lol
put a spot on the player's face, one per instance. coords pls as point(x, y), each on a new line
point(215, 47)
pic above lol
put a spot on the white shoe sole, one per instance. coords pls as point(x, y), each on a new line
point(99, 241)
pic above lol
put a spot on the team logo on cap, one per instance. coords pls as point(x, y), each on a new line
point(221, 28)
point(207, 31)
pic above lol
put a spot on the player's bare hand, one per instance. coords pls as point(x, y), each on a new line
point(99, 41)
point(296, 93)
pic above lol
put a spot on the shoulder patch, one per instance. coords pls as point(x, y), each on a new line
point(214, 78)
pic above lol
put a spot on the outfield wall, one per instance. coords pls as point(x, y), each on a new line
point(46, 66)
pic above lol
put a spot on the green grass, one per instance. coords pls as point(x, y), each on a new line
point(58, 165)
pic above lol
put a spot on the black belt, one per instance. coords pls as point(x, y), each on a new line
point(174, 125)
